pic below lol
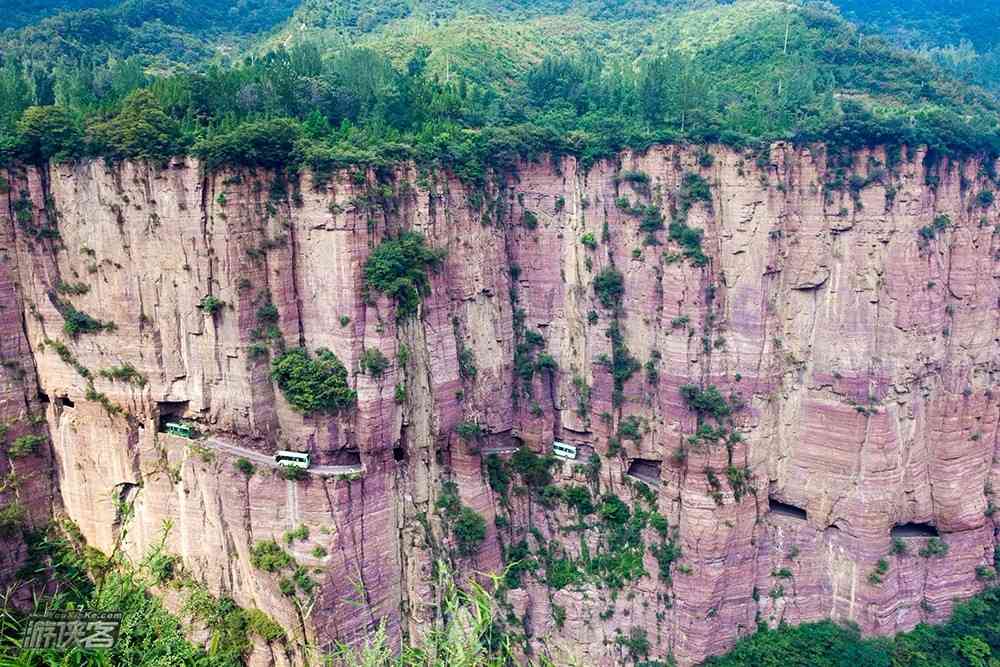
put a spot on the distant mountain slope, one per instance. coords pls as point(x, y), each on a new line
point(161, 32)
point(20, 14)
point(962, 35)
point(470, 82)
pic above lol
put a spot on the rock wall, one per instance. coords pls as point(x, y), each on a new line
point(861, 354)
point(27, 491)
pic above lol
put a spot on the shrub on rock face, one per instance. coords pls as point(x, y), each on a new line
point(706, 401)
point(398, 268)
point(374, 363)
point(469, 530)
point(26, 445)
point(467, 526)
point(313, 384)
point(609, 286)
point(269, 556)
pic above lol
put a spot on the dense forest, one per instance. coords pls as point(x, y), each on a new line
point(455, 87)
point(959, 35)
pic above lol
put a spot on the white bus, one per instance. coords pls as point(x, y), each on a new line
point(562, 450)
point(293, 459)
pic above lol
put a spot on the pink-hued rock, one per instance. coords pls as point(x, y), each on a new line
point(865, 357)
point(26, 483)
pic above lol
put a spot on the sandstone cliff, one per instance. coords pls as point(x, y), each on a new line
point(860, 353)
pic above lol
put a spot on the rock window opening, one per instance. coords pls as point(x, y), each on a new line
point(779, 508)
point(645, 470)
point(171, 412)
point(914, 530)
point(346, 457)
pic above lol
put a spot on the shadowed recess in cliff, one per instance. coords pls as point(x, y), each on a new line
point(645, 470)
point(914, 530)
point(778, 508)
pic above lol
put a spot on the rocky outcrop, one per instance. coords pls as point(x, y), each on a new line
point(860, 354)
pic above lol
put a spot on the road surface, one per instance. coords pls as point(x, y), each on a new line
point(497, 450)
point(651, 481)
point(261, 459)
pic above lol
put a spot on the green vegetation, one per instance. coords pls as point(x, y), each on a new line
point(467, 364)
point(622, 364)
point(935, 547)
point(12, 518)
point(959, 37)
point(398, 268)
point(296, 534)
point(706, 402)
point(269, 556)
point(78, 576)
point(603, 520)
point(968, 638)
point(292, 473)
point(693, 189)
point(469, 431)
point(245, 467)
point(473, 85)
point(465, 524)
point(313, 384)
point(124, 373)
point(374, 363)
point(72, 289)
point(26, 445)
point(930, 232)
point(210, 305)
point(471, 633)
point(609, 285)
point(76, 322)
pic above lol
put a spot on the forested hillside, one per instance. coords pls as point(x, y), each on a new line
point(30, 11)
point(478, 86)
point(704, 324)
point(158, 34)
point(960, 35)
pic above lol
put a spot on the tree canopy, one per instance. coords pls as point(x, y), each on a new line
point(482, 84)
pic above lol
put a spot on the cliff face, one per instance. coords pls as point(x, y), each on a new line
point(858, 354)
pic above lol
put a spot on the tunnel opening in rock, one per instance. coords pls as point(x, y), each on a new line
point(43, 398)
point(914, 530)
point(778, 508)
point(346, 457)
point(65, 402)
point(171, 412)
point(398, 454)
point(645, 470)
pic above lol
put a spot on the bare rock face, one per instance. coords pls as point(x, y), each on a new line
point(852, 327)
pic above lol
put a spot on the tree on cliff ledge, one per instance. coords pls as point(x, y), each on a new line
point(313, 384)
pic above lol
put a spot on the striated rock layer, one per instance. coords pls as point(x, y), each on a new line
point(864, 353)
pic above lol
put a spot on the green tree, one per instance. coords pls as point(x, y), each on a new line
point(313, 384)
point(141, 130)
point(50, 132)
point(398, 268)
